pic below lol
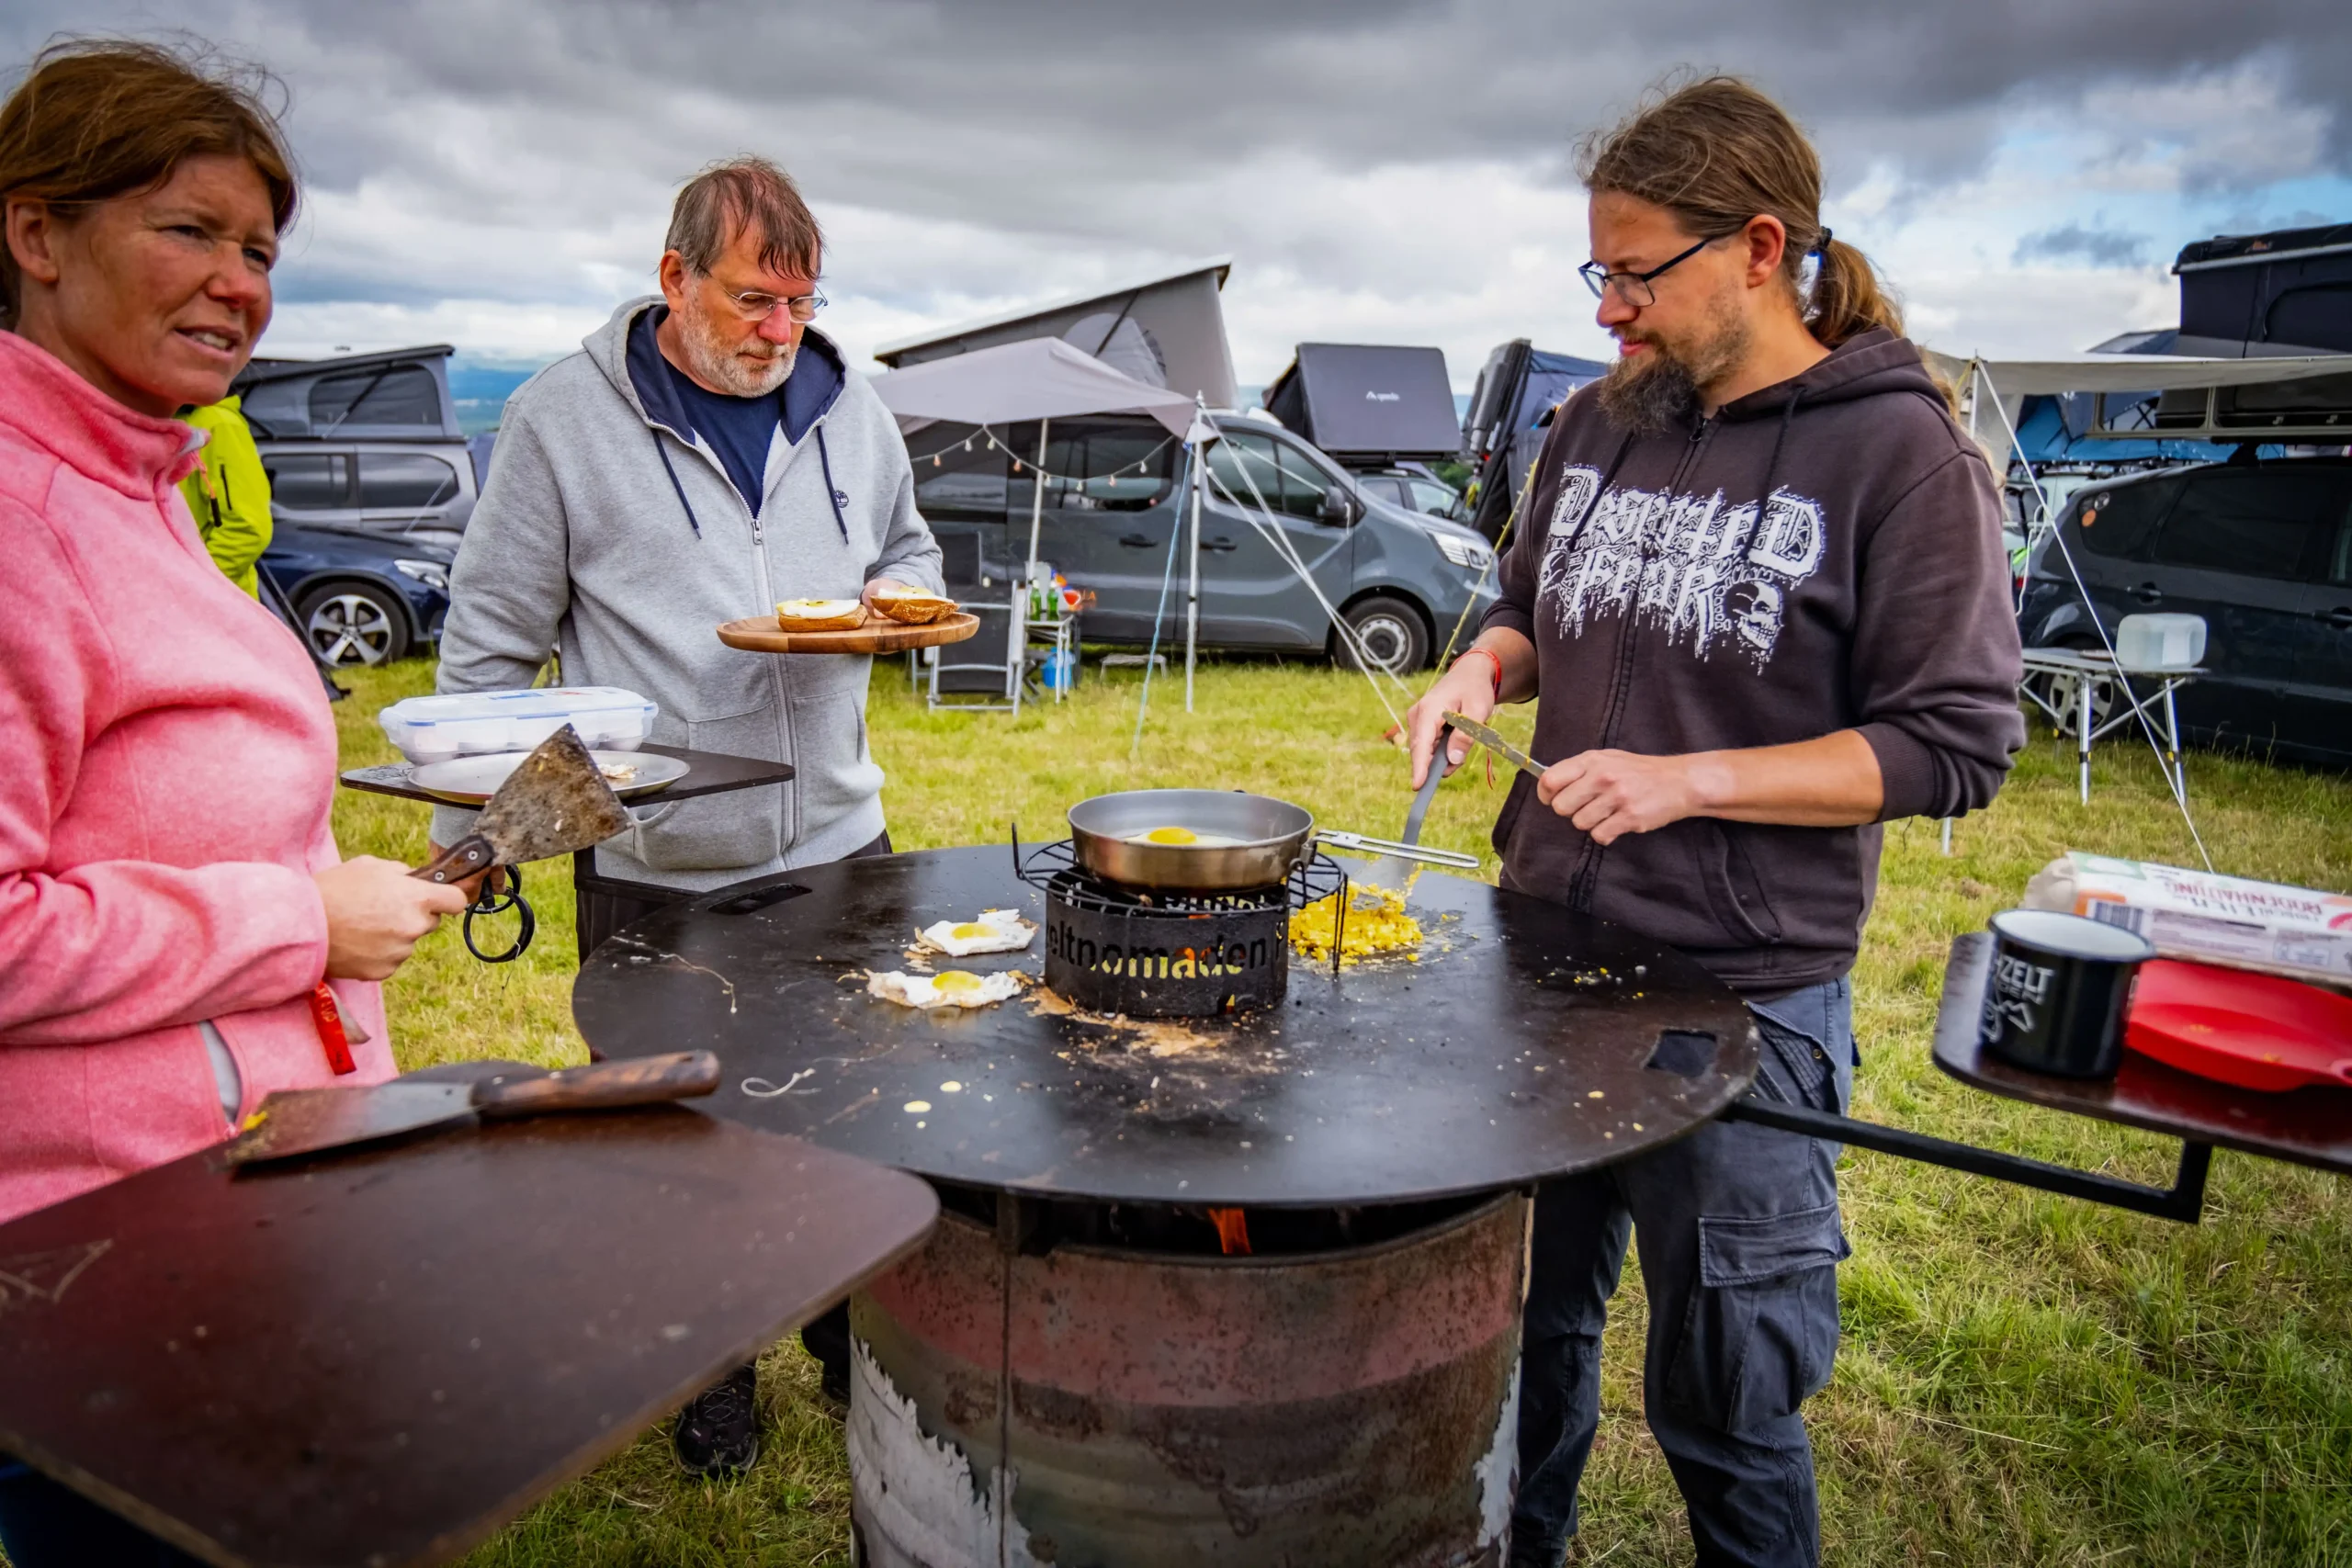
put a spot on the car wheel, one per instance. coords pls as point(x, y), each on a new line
point(1391, 634)
point(354, 623)
point(2064, 693)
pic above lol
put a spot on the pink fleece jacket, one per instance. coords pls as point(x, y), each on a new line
point(166, 762)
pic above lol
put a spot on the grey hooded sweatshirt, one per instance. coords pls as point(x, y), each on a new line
point(608, 531)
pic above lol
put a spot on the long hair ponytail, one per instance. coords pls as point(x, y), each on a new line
point(1848, 298)
point(1716, 152)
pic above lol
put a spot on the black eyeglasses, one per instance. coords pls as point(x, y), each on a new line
point(1632, 287)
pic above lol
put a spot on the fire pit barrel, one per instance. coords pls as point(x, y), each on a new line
point(1097, 1404)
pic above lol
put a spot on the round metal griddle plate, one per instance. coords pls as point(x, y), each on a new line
point(1520, 1046)
point(1266, 838)
point(469, 780)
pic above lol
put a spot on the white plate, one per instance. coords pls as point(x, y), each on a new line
point(469, 780)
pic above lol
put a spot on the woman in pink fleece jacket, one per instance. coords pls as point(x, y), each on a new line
point(170, 890)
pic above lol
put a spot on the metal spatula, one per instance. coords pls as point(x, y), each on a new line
point(555, 802)
point(1401, 856)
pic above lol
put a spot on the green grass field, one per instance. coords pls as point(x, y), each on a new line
point(2024, 1380)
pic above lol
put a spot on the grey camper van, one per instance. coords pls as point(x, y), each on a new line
point(1115, 520)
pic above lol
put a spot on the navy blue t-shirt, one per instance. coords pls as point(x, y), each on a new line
point(739, 430)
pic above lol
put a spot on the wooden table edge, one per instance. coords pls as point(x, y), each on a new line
point(448, 1548)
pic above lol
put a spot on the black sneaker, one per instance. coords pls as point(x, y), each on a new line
point(718, 1431)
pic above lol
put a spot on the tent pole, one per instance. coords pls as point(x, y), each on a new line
point(1036, 501)
point(1193, 586)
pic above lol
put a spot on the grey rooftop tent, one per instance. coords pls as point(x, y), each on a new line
point(1167, 331)
point(1369, 404)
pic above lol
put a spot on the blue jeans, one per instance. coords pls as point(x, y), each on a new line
point(1740, 1244)
point(46, 1525)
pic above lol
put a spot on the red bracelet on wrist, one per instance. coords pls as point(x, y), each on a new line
point(1492, 657)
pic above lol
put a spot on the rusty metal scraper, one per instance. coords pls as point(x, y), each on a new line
point(555, 802)
point(306, 1120)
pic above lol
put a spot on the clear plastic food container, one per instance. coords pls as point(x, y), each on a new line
point(473, 723)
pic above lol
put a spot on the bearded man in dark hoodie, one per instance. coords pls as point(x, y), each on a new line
point(1761, 601)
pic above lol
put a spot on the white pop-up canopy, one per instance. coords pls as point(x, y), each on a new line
point(2134, 372)
point(2003, 385)
point(1045, 379)
point(1038, 378)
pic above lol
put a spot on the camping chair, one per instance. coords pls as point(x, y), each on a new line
point(993, 661)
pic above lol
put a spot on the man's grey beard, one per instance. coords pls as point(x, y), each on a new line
point(712, 357)
point(1658, 389)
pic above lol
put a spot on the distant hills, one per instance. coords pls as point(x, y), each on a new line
point(481, 389)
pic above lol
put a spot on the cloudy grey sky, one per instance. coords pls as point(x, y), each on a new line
point(497, 173)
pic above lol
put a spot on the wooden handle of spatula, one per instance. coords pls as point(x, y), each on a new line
point(469, 855)
point(635, 1080)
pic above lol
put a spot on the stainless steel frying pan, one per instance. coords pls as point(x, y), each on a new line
point(1268, 838)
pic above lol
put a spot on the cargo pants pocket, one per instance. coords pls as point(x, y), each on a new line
point(1761, 1331)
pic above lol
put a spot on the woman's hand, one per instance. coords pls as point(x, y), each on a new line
point(377, 913)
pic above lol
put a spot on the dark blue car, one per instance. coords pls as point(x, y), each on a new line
point(359, 598)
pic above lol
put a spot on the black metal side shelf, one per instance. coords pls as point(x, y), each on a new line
point(2184, 1201)
point(2306, 1126)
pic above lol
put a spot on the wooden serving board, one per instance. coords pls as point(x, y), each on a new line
point(760, 634)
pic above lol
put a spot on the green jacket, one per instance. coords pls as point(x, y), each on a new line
point(228, 496)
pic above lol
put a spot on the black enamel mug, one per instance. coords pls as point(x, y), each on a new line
point(2055, 1000)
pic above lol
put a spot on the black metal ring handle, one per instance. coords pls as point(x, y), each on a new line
point(498, 903)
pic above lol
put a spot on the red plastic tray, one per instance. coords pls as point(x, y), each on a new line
point(2254, 1031)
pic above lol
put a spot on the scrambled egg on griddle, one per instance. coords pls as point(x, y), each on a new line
point(1376, 925)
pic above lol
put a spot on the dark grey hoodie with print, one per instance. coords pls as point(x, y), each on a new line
point(1821, 555)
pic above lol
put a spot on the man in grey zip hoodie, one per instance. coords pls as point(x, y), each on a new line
point(612, 529)
point(703, 456)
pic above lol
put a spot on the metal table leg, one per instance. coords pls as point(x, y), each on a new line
point(2083, 734)
point(2172, 738)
